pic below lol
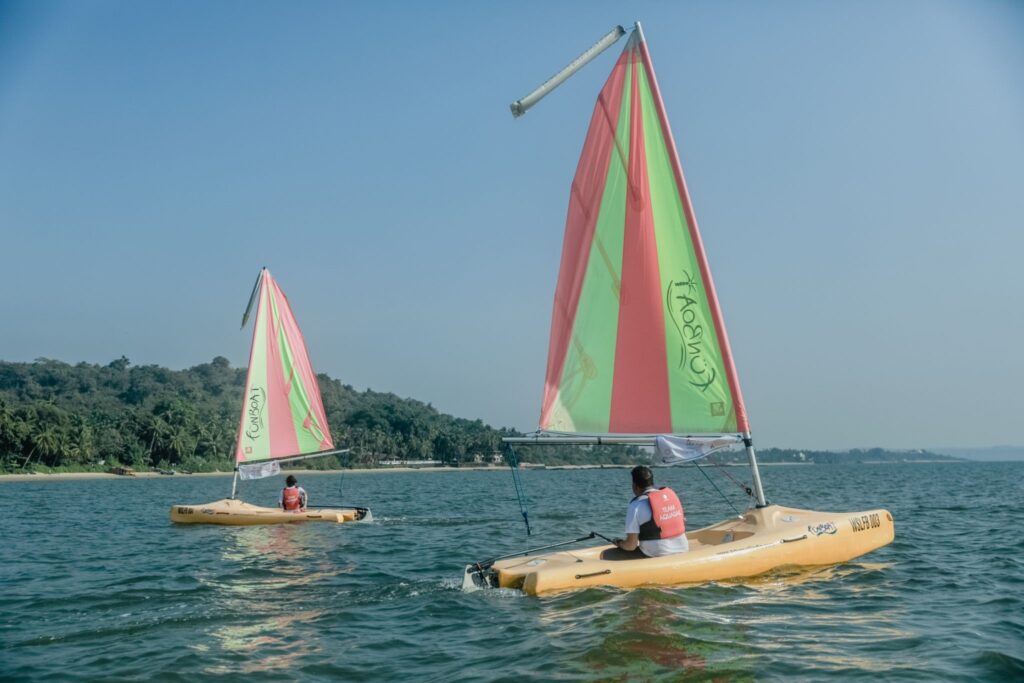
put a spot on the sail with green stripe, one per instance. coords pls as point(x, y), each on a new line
point(282, 412)
point(638, 344)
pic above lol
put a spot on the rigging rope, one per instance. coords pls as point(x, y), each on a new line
point(710, 481)
point(513, 463)
point(746, 489)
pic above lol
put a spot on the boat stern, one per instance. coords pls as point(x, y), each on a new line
point(476, 577)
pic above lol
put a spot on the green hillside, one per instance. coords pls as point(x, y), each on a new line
point(57, 415)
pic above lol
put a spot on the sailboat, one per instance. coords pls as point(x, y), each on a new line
point(282, 418)
point(638, 354)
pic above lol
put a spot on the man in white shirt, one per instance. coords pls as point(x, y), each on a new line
point(655, 520)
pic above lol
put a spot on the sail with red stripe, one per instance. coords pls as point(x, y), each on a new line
point(282, 412)
point(638, 344)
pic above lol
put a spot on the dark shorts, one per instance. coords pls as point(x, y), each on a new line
point(615, 554)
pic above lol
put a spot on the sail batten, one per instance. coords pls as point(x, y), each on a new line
point(637, 339)
point(282, 413)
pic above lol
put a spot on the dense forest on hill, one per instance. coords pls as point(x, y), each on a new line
point(54, 414)
point(84, 416)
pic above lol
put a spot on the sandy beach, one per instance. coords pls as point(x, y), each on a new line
point(62, 476)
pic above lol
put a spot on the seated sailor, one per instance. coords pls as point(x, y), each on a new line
point(293, 496)
point(655, 521)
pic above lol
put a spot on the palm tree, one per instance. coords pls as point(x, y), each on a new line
point(179, 443)
point(82, 444)
point(47, 441)
point(157, 428)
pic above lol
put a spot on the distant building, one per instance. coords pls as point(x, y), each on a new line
point(492, 459)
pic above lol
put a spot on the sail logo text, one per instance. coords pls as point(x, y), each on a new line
point(254, 412)
point(686, 316)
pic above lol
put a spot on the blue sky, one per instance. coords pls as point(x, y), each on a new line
point(856, 169)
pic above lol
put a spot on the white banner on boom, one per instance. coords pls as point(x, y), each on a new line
point(675, 450)
point(259, 470)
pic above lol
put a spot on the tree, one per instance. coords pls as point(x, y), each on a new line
point(81, 444)
point(77, 414)
point(46, 442)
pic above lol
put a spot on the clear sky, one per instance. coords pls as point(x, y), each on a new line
point(856, 169)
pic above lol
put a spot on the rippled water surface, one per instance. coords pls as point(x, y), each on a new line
point(98, 584)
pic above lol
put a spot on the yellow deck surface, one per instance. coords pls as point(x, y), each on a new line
point(762, 540)
point(238, 513)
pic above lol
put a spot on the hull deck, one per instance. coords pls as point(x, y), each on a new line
point(759, 541)
point(237, 513)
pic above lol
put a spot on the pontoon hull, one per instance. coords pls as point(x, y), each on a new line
point(236, 513)
point(762, 540)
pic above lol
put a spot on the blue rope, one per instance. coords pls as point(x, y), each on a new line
point(513, 463)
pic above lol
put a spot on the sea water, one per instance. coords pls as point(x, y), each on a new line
point(98, 584)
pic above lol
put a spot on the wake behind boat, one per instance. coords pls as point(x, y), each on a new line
point(639, 355)
point(283, 418)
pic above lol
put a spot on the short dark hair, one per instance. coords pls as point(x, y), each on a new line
point(642, 476)
point(290, 481)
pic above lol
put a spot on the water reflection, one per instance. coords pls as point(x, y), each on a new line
point(271, 541)
point(270, 584)
point(267, 644)
point(645, 634)
point(651, 631)
point(707, 631)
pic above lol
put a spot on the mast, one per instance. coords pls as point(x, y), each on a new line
point(752, 457)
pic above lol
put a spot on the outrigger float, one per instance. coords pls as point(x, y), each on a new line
point(639, 355)
point(283, 418)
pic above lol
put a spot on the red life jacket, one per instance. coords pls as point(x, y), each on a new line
point(668, 519)
point(292, 498)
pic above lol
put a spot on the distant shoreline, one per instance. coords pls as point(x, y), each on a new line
point(60, 476)
point(72, 476)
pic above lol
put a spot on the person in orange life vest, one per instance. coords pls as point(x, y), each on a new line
point(293, 496)
point(655, 521)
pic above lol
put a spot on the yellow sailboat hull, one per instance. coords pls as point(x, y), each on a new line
point(761, 540)
point(237, 513)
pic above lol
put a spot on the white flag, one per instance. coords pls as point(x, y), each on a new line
point(675, 450)
point(259, 470)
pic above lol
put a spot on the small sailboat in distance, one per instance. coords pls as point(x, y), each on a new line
point(639, 354)
point(282, 420)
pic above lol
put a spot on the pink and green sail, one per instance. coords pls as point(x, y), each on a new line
point(638, 344)
point(282, 413)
